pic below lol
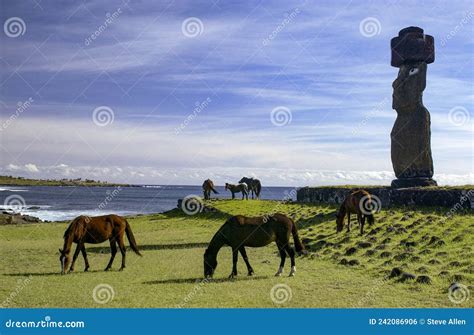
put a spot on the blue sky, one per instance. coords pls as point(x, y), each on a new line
point(190, 104)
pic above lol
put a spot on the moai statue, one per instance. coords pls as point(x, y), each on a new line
point(411, 135)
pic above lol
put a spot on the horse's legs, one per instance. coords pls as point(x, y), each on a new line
point(84, 254)
point(123, 250)
point(359, 220)
point(233, 195)
point(282, 262)
point(235, 257)
point(113, 251)
point(246, 260)
point(348, 222)
point(74, 257)
point(291, 252)
point(362, 222)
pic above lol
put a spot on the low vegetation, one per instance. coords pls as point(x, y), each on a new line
point(409, 258)
point(20, 181)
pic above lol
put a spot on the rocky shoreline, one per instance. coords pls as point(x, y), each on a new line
point(7, 218)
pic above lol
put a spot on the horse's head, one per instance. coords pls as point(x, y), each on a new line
point(226, 186)
point(64, 260)
point(242, 180)
point(339, 222)
point(210, 264)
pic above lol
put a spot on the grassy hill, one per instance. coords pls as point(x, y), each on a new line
point(20, 181)
point(341, 270)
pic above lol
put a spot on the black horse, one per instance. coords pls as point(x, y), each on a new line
point(254, 186)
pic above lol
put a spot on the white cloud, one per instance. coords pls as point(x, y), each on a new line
point(31, 168)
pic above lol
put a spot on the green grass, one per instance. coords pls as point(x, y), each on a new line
point(173, 244)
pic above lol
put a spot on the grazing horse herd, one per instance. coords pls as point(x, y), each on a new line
point(237, 232)
point(245, 186)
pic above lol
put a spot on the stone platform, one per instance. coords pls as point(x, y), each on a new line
point(446, 197)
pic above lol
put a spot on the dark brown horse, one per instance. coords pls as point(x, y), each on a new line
point(96, 229)
point(357, 202)
point(241, 187)
point(207, 187)
point(239, 232)
point(254, 186)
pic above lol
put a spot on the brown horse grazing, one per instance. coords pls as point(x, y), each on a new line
point(357, 202)
point(207, 187)
point(96, 229)
point(241, 187)
point(254, 186)
point(239, 232)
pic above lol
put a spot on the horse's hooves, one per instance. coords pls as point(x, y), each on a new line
point(292, 274)
point(278, 274)
point(250, 274)
point(107, 269)
point(121, 269)
point(86, 269)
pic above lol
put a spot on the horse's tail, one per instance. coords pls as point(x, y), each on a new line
point(131, 239)
point(258, 188)
point(299, 247)
point(370, 219)
point(214, 190)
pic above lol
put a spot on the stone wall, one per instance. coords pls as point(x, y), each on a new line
point(451, 197)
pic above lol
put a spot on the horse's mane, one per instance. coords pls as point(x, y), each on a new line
point(71, 227)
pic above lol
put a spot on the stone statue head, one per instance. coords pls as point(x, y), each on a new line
point(409, 85)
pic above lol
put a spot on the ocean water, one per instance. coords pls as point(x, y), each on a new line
point(56, 203)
